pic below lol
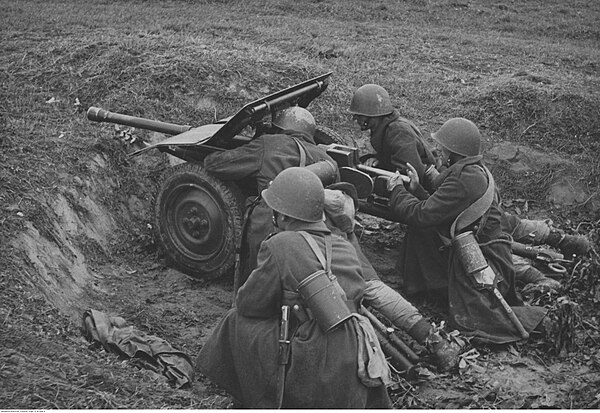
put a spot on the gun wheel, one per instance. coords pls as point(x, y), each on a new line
point(198, 220)
point(327, 136)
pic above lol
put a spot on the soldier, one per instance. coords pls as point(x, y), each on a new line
point(267, 155)
point(465, 200)
point(398, 143)
point(341, 201)
point(262, 159)
point(396, 140)
point(322, 364)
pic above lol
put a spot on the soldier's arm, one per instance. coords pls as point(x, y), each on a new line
point(441, 208)
point(236, 163)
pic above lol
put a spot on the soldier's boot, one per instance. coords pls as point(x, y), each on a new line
point(535, 280)
point(569, 245)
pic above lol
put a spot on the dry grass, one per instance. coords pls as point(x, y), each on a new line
point(525, 70)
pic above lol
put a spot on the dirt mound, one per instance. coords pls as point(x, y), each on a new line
point(538, 135)
point(545, 178)
point(527, 108)
point(76, 227)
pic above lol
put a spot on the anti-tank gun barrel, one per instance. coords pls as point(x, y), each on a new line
point(101, 115)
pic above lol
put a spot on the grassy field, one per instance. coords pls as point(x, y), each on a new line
point(526, 71)
point(523, 71)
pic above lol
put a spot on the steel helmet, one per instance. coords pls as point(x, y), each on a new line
point(371, 100)
point(297, 119)
point(459, 135)
point(298, 193)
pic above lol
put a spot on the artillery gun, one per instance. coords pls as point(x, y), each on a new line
point(198, 217)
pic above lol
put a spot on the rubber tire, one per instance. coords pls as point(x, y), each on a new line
point(198, 220)
point(327, 136)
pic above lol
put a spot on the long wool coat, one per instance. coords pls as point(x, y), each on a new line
point(397, 141)
point(261, 160)
point(241, 354)
point(473, 310)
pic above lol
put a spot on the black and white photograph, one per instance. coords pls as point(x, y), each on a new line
point(309, 204)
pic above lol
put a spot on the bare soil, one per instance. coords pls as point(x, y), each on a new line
point(48, 364)
point(76, 214)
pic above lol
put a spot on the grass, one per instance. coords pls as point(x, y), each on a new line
point(525, 71)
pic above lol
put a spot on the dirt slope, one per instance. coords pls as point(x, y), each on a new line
point(76, 215)
point(61, 369)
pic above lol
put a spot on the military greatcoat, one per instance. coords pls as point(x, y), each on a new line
point(397, 141)
point(242, 353)
point(423, 266)
point(261, 160)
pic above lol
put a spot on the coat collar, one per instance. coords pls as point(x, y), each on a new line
point(299, 135)
point(297, 225)
point(456, 167)
point(469, 160)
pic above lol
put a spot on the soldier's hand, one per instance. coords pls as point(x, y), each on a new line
point(397, 179)
point(371, 162)
point(413, 176)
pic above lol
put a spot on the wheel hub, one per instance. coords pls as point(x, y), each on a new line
point(195, 223)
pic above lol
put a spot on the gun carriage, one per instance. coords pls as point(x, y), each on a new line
point(198, 217)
